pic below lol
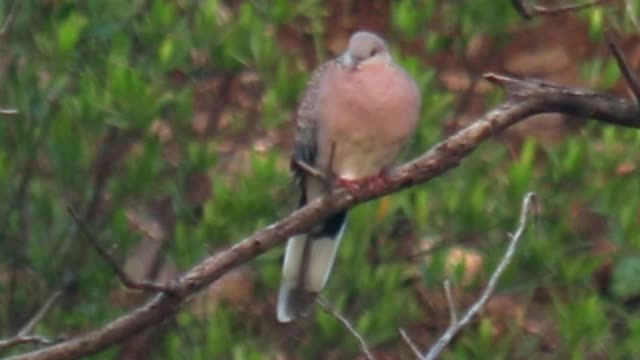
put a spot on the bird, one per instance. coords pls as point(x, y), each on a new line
point(356, 114)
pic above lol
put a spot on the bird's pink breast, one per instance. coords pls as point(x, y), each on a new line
point(369, 113)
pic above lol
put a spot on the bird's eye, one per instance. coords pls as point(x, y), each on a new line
point(373, 52)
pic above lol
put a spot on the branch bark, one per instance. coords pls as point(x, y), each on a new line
point(524, 99)
point(529, 11)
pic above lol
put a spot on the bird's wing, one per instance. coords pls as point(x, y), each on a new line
point(306, 135)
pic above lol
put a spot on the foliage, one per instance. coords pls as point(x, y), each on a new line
point(106, 79)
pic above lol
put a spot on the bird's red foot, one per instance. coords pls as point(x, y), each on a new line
point(353, 186)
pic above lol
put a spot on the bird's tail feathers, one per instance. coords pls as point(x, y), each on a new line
point(307, 264)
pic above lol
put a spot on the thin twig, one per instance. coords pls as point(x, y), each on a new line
point(453, 311)
point(630, 11)
point(8, 112)
point(28, 327)
point(9, 19)
point(24, 335)
point(529, 11)
point(103, 165)
point(332, 154)
point(311, 170)
point(411, 344)
point(18, 340)
point(453, 329)
point(629, 75)
point(347, 324)
point(109, 259)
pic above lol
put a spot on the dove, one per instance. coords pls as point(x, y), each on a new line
point(356, 114)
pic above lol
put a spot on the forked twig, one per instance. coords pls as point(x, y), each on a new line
point(24, 335)
point(454, 327)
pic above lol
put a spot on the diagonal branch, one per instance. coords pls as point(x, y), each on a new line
point(4, 29)
point(625, 69)
point(28, 328)
point(525, 98)
point(412, 345)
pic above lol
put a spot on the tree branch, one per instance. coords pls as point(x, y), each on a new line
point(525, 98)
point(528, 11)
point(455, 326)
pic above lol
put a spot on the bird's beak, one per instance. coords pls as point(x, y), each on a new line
point(350, 61)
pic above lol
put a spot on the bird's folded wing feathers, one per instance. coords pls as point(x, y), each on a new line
point(306, 136)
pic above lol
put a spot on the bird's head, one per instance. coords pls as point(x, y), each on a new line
point(365, 48)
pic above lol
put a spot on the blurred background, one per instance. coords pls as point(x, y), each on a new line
point(167, 126)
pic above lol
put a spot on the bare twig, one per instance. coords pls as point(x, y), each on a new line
point(109, 259)
point(347, 324)
point(411, 344)
point(9, 19)
point(8, 111)
point(453, 311)
point(629, 75)
point(103, 165)
point(630, 11)
point(454, 328)
point(19, 340)
point(529, 11)
point(525, 98)
point(28, 328)
point(311, 170)
point(24, 335)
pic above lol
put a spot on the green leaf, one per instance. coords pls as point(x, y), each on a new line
point(625, 277)
point(70, 30)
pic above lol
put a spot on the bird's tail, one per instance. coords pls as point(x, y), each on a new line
point(307, 264)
